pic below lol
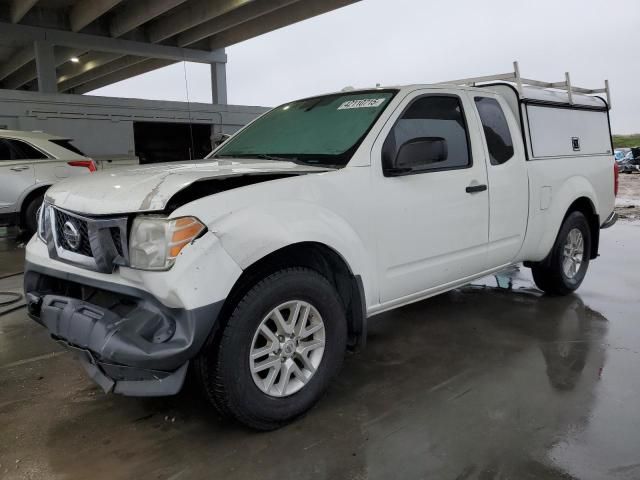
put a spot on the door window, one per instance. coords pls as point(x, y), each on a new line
point(431, 120)
point(496, 130)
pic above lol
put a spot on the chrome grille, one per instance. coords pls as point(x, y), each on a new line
point(62, 218)
point(96, 243)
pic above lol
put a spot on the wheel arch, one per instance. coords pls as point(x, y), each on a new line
point(586, 207)
point(28, 197)
point(315, 256)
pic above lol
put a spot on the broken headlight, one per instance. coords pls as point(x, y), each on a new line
point(156, 241)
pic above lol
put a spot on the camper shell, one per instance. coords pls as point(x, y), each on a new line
point(551, 112)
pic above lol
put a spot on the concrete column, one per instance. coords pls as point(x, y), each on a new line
point(219, 83)
point(46, 67)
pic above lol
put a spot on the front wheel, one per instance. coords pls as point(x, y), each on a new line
point(569, 259)
point(280, 348)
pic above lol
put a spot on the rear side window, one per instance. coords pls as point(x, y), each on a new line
point(68, 145)
point(24, 151)
point(5, 151)
point(496, 130)
point(438, 117)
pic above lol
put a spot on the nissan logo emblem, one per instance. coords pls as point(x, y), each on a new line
point(71, 234)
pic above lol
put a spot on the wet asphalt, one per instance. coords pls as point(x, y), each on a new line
point(494, 380)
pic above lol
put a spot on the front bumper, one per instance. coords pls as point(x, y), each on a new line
point(128, 342)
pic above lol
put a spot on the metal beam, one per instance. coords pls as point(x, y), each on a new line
point(87, 11)
point(99, 72)
point(137, 13)
point(29, 72)
point(19, 9)
point(107, 44)
point(125, 73)
point(46, 67)
point(188, 16)
point(88, 62)
point(232, 19)
point(17, 61)
point(280, 18)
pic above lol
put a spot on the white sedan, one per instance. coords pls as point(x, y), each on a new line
point(30, 162)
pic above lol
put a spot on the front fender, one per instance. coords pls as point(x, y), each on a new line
point(254, 232)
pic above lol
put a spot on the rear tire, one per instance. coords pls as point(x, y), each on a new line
point(30, 217)
point(227, 368)
point(565, 269)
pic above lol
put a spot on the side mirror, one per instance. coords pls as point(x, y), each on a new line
point(420, 152)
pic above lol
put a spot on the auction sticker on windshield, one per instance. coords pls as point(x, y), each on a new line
point(362, 103)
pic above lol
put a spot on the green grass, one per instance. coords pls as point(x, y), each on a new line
point(620, 141)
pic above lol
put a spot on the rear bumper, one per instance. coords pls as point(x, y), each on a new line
point(610, 221)
point(128, 342)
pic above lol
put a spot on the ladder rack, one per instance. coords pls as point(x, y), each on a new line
point(514, 77)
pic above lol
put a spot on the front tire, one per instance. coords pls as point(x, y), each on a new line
point(278, 352)
point(565, 269)
point(30, 218)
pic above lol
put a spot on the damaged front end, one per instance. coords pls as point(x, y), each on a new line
point(128, 342)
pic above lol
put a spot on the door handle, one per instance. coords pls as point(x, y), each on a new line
point(20, 168)
point(475, 188)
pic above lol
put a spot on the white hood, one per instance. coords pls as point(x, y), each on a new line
point(149, 188)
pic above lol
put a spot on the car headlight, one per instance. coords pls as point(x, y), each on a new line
point(155, 241)
point(43, 221)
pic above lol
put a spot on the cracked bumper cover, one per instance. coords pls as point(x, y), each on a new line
point(130, 344)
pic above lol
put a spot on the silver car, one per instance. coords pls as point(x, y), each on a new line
point(30, 162)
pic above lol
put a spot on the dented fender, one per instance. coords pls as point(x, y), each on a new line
point(255, 232)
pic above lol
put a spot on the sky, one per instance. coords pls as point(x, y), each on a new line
point(419, 41)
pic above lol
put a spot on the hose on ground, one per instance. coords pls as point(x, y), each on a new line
point(9, 298)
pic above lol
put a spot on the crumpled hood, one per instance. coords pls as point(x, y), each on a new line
point(148, 188)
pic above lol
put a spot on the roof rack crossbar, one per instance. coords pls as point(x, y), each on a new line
point(520, 82)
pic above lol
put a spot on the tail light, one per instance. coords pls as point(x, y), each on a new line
point(90, 164)
point(616, 171)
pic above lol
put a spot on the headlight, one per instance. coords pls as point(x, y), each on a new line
point(43, 221)
point(156, 241)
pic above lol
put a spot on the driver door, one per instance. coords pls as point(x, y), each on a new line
point(434, 222)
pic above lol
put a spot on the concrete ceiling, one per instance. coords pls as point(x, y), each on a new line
point(118, 39)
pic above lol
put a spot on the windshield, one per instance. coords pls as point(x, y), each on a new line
point(324, 130)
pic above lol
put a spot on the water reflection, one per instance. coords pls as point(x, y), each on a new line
point(478, 383)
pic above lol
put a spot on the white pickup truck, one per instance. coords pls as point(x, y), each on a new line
point(260, 265)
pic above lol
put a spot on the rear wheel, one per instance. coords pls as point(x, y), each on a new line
point(282, 345)
point(30, 217)
point(569, 259)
